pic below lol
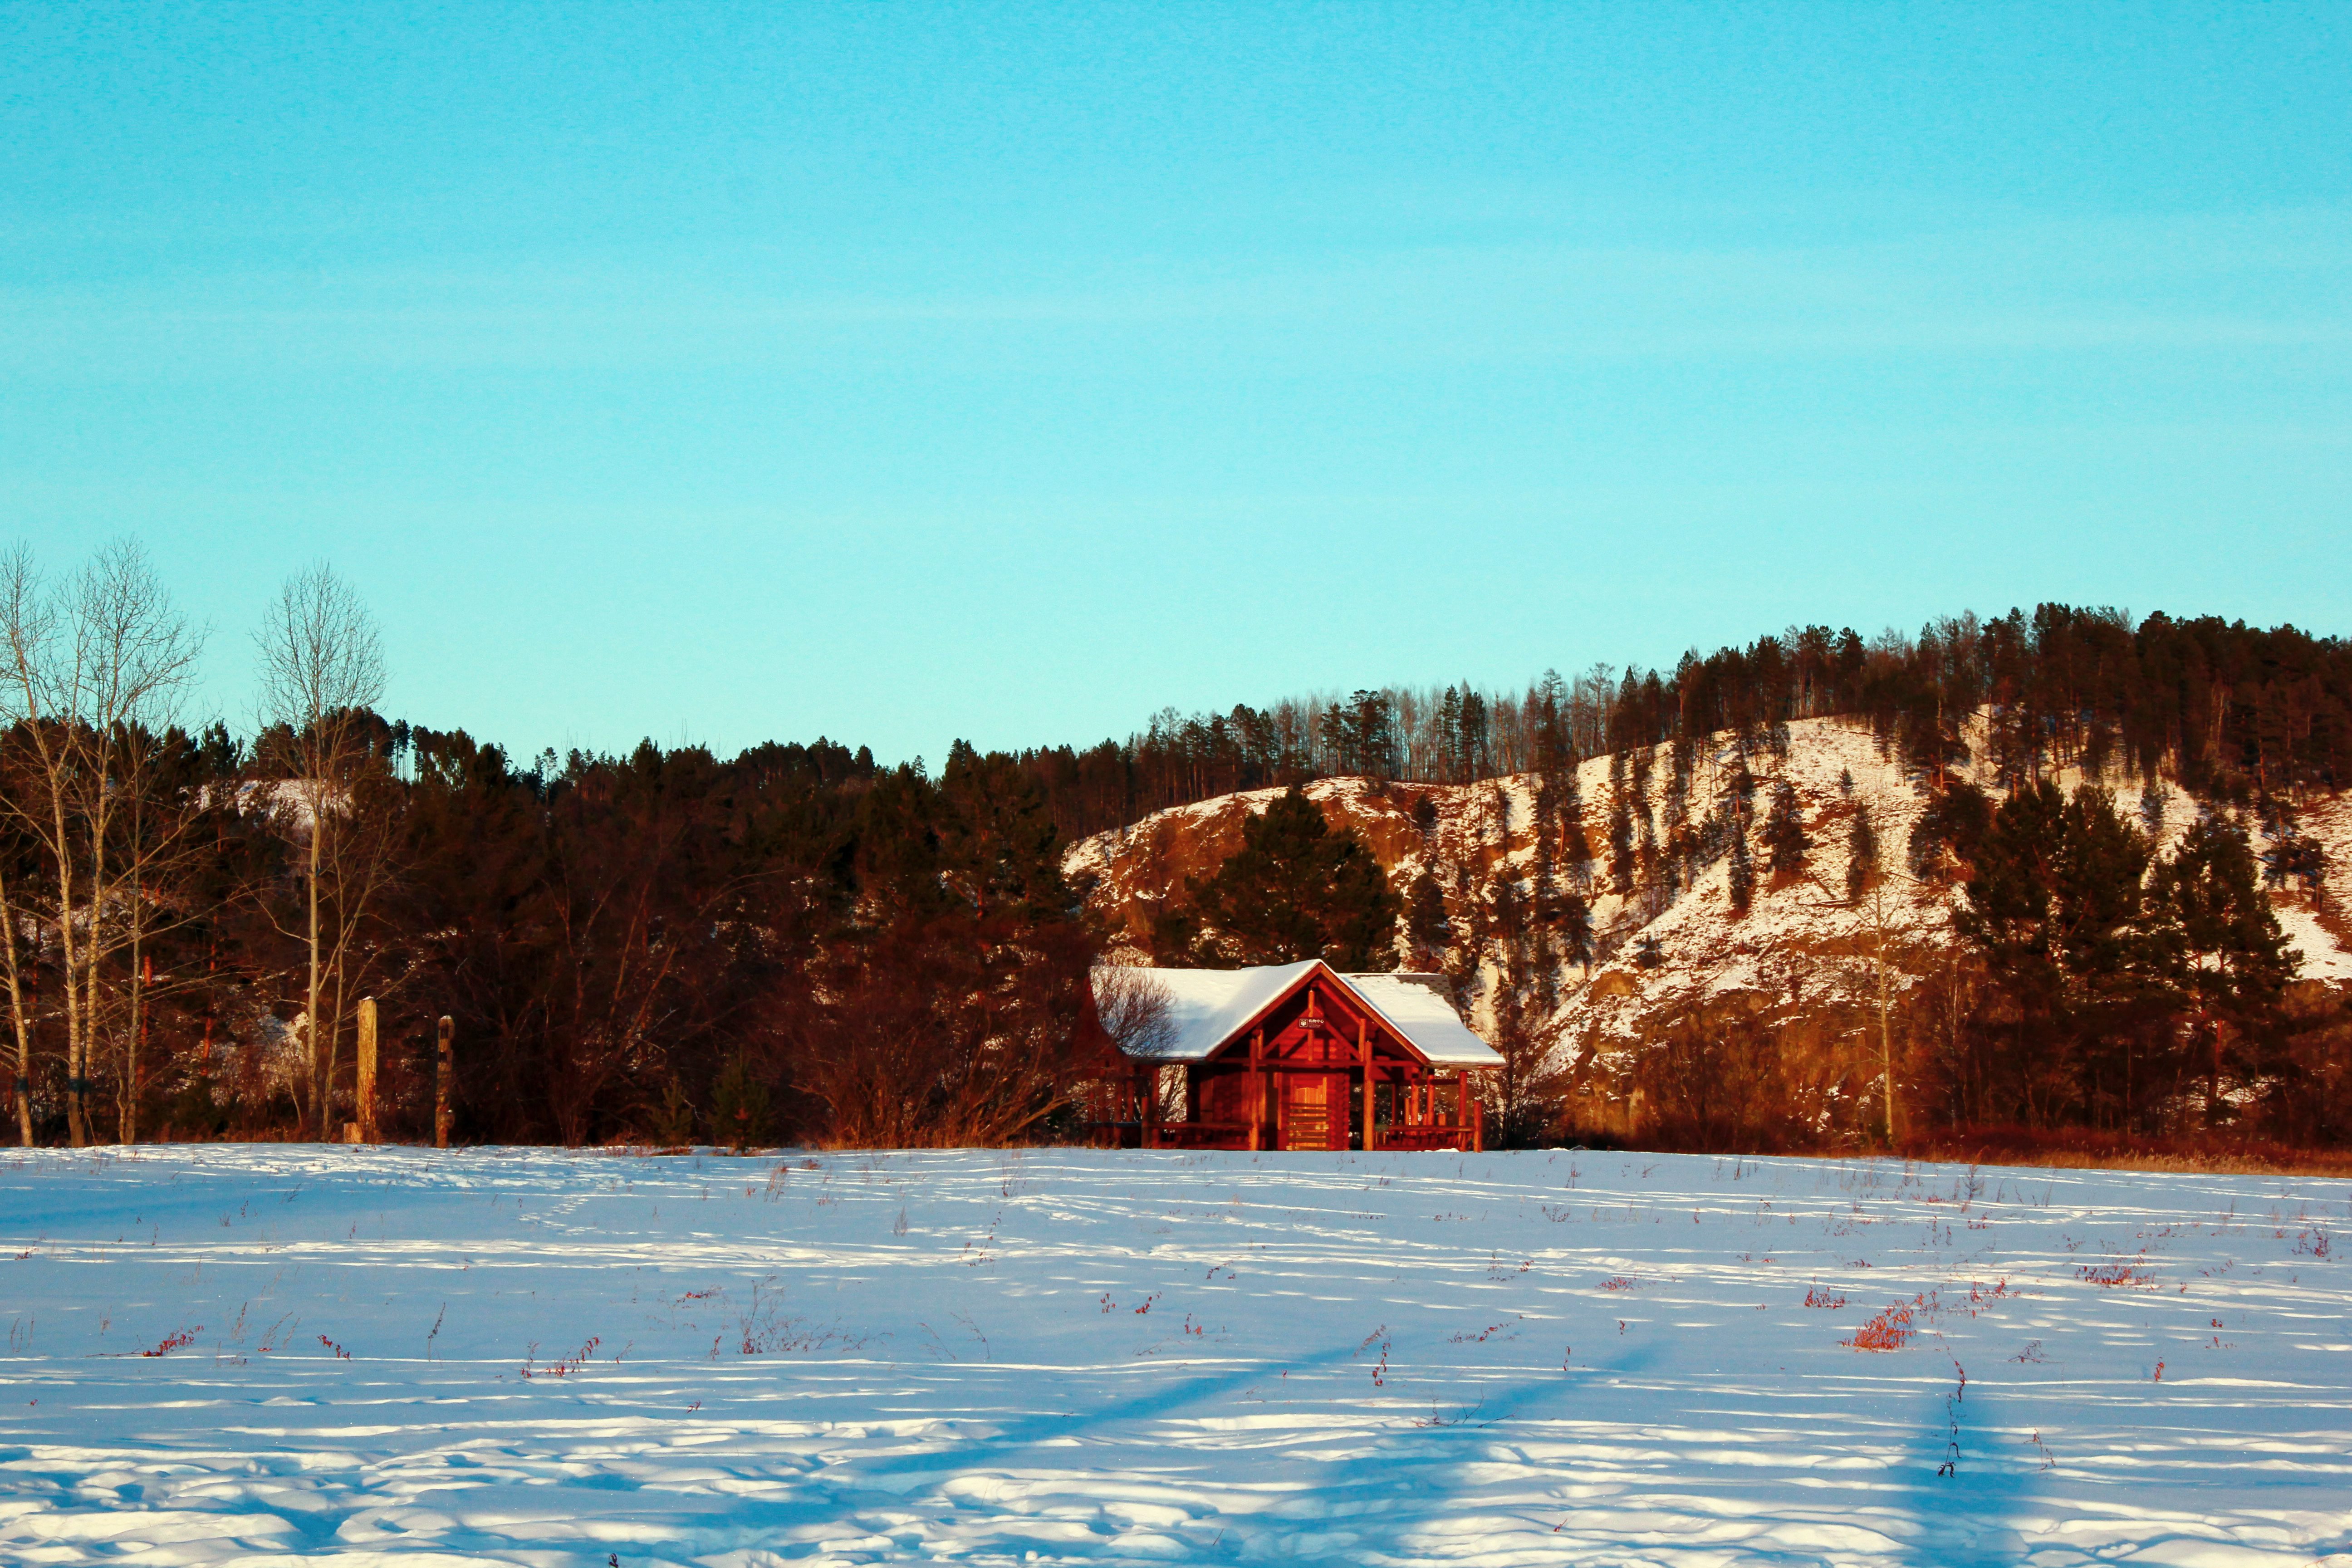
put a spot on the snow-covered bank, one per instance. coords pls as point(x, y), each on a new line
point(281, 1354)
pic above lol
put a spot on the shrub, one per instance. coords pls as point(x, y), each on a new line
point(739, 1106)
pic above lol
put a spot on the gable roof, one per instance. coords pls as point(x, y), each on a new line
point(1208, 1007)
point(1421, 1014)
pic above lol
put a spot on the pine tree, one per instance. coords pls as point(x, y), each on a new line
point(1784, 831)
point(1425, 919)
point(1576, 932)
point(1575, 845)
point(1743, 786)
point(1297, 889)
point(2228, 953)
point(1956, 819)
point(997, 842)
point(1621, 844)
point(1862, 855)
point(1743, 876)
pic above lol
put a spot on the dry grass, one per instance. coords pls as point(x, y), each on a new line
point(2085, 1151)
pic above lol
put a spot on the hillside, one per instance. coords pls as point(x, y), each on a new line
point(1801, 965)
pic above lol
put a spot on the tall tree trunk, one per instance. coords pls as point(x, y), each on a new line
point(77, 1130)
point(2213, 1069)
point(17, 1018)
point(1885, 1008)
point(136, 1038)
point(318, 1063)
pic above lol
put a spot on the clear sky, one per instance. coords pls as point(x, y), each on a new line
point(904, 371)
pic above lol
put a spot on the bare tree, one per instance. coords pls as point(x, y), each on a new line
point(93, 673)
point(1877, 941)
point(21, 1023)
point(1136, 1011)
point(1876, 936)
point(321, 676)
point(1878, 928)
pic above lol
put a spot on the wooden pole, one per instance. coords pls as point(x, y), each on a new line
point(366, 1065)
point(1364, 1050)
point(447, 1033)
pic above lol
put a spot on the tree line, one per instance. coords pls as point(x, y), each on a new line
point(661, 944)
point(802, 941)
point(2231, 711)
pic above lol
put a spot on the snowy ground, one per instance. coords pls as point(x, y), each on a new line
point(546, 1358)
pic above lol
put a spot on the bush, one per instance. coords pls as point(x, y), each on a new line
point(739, 1106)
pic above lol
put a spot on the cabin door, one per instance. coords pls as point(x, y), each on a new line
point(1314, 1110)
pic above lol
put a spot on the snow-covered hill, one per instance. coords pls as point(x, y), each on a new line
point(1801, 960)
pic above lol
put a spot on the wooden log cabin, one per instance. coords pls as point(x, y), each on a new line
point(1295, 1055)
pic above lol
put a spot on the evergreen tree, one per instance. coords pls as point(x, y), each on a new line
point(1743, 876)
point(1576, 932)
point(1555, 755)
point(997, 842)
point(1576, 848)
point(1621, 844)
point(1862, 855)
point(1297, 889)
point(1784, 831)
point(2228, 953)
point(1743, 786)
point(2057, 904)
point(1425, 919)
point(1361, 735)
point(1956, 820)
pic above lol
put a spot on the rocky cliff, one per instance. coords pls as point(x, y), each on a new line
point(1805, 960)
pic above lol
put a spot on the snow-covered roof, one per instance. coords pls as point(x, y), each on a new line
point(1426, 1018)
point(1207, 1007)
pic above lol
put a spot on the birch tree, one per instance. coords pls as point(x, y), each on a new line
point(321, 676)
point(94, 670)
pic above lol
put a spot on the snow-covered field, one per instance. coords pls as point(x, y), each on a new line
point(272, 1355)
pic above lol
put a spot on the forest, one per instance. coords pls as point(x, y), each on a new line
point(802, 943)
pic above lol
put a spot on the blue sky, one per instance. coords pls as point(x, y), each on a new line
point(904, 372)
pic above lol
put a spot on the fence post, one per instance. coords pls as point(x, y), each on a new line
point(366, 1107)
point(447, 1032)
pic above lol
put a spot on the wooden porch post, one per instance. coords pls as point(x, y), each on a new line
point(1364, 1050)
point(1477, 1119)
